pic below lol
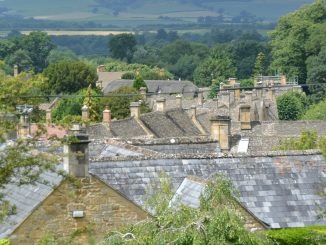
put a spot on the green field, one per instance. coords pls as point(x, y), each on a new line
point(147, 12)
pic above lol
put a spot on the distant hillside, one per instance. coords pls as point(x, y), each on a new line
point(142, 11)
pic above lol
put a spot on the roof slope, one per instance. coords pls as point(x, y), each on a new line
point(26, 198)
point(126, 128)
point(278, 190)
point(154, 86)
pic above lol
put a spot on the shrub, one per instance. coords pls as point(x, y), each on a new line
point(138, 83)
point(298, 236)
point(4, 242)
point(316, 112)
point(291, 105)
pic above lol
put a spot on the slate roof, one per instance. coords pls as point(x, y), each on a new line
point(154, 86)
point(126, 128)
point(174, 123)
point(26, 198)
point(280, 190)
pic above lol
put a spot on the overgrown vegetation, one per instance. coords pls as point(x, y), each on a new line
point(217, 221)
point(291, 105)
point(308, 140)
point(314, 235)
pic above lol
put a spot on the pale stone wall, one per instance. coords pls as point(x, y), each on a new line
point(104, 210)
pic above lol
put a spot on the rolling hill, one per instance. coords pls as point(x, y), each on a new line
point(142, 11)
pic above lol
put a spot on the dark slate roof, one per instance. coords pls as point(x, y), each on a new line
point(174, 123)
point(203, 119)
point(26, 198)
point(154, 86)
point(181, 118)
point(126, 128)
point(280, 190)
point(98, 131)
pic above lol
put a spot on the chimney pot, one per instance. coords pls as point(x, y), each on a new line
point(106, 115)
point(179, 101)
point(135, 109)
point(76, 160)
point(160, 104)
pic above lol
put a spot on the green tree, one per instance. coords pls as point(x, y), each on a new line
point(317, 75)
point(259, 65)
point(69, 108)
point(21, 59)
point(119, 102)
point(291, 36)
point(316, 112)
point(217, 221)
point(57, 55)
point(38, 45)
point(122, 46)
point(290, 105)
point(213, 68)
point(69, 77)
point(138, 83)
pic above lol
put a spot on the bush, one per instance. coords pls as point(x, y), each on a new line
point(139, 83)
point(298, 236)
point(4, 242)
point(316, 112)
point(291, 105)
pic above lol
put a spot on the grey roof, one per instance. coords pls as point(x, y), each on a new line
point(26, 198)
point(154, 86)
point(174, 123)
point(280, 190)
point(112, 150)
point(126, 128)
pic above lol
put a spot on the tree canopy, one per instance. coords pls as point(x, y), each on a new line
point(69, 76)
point(122, 46)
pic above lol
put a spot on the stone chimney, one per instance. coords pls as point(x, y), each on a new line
point(244, 116)
point(143, 91)
point(76, 159)
point(16, 70)
point(221, 131)
point(135, 109)
point(200, 97)
point(106, 115)
point(24, 125)
point(160, 104)
point(178, 99)
point(237, 91)
point(232, 81)
point(224, 98)
point(100, 68)
point(85, 113)
point(271, 94)
point(248, 96)
point(48, 116)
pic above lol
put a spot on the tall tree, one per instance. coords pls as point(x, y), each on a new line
point(259, 64)
point(123, 46)
point(290, 37)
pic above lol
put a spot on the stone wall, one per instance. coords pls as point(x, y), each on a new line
point(104, 209)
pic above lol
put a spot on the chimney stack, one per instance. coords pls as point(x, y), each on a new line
point(160, 104)
point(200, 97)
point(76, 159)
point(237, 91)
point(221, 131)
point(16, 70)
point(100, 68)
point(135, 109)
point(232, 81)
point(179, 101)
point(143, 92)
point(85, 113)
point(106, 115)
point(244, 115)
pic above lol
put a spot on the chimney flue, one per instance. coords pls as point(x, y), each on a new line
point(106, 115)
point(16, 70)
point(135, 109)
point(76, 159)
point(160, 104)
point(221, 131)
point(179, 101)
